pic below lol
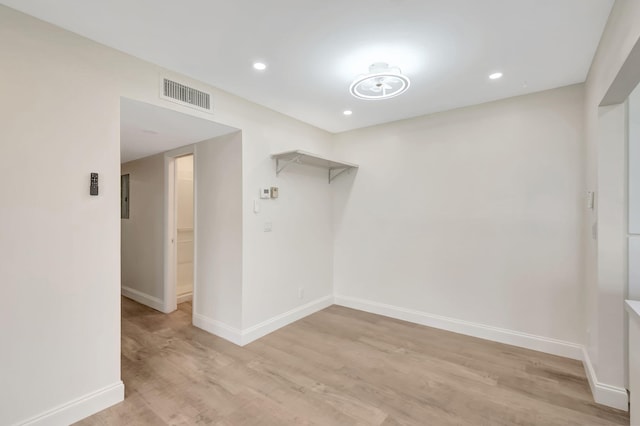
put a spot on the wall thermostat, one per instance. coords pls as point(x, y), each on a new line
point(265, 192)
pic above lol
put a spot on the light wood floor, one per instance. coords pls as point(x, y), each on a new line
point(340, 367)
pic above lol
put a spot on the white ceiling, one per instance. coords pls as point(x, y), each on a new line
point(147, 130)
point(315, 48)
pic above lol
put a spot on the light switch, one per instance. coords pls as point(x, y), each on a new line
point(265, 192)
point(274, 192)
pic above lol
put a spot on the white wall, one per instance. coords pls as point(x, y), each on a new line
point(605, 266)
point(142, 237)
point(61, 247)
point(634, 163)
point(59, 251)
point(634, 195)
point(298, 252)
point(218, 175)
point(473, 214)
point(611, 240)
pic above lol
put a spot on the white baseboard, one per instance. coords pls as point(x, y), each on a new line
point(248, 335)
point(218, 328)
point(257, 331)
point(184, 298)
point(510, 337)
point(145, 299)
point(604, 394)
point(611, 396)
point(79, 408)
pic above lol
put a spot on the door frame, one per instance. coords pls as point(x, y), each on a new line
point(170, 226)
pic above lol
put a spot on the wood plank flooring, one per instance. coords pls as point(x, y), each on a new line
point(340, 367)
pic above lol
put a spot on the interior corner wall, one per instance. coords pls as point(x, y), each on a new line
point(470, 215)
point(142, 235)
point(295, 257)
point(604, 299)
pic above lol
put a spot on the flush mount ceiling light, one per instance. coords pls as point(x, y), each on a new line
point(260, 66)
point(347, 112)
point(495, 75)
point(382, 82)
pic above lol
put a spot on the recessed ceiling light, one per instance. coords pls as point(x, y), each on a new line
point(382, 82)
point(348, 112)
point(260, 66)
point(495, 75)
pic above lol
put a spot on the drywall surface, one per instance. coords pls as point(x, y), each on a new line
point(142, 234)
point(297, 253)
point(605, 288)
point(218, 168)
point(634, 162)
point(473, 214)
point(61, 247)
point(634, 195)
point(612, 244)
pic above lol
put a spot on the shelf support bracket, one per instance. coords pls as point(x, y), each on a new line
point(279, 168)
point(332, 176)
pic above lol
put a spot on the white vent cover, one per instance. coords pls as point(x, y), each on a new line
point(185, 95)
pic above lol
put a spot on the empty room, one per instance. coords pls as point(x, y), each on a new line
point(283, 212)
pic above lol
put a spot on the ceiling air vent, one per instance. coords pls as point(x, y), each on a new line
point(176, 92)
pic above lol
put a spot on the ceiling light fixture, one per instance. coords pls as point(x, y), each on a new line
point(260, 66)
point(348, 112)
point(382, 82)
point(495, 75)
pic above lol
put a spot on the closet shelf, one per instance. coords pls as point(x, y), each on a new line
point(334, 168)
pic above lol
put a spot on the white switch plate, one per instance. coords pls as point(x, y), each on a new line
point(265, 192)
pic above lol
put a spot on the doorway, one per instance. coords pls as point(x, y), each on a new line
point(184, 231)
